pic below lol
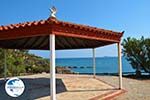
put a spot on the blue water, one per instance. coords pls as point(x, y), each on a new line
point(103, 64)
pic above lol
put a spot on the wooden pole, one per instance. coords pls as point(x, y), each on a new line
point(94, 64)
point(120, 65)
point(52, 67)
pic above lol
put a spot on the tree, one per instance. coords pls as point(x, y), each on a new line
point(137, 52)
point(1, 62)
point(21, 61)
point(15, 63)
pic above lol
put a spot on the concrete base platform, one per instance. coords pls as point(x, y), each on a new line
point(69, 87)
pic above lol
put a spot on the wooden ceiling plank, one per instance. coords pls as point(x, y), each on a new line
point(59, 44)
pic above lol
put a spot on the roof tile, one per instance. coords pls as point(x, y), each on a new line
point(64, 24)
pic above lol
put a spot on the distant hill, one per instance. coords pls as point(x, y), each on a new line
point(20, 62)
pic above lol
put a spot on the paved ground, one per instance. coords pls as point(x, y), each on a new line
point(69, 87)
point(79, 87)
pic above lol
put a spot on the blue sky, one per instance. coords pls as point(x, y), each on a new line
point(131, 16)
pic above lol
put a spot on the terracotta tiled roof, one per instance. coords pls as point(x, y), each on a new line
point(57, 22)
point(35, 35)
point(19, 25)
point(84, 27)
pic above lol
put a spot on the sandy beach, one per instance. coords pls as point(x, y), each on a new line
point(80, 87)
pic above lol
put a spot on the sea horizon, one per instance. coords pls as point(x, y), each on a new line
point(103, 64)
point(85, 57)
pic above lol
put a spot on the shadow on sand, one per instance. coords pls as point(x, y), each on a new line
point(34, 88)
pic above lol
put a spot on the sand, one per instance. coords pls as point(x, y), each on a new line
point(136, 89)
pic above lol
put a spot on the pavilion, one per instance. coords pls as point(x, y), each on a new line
point(53, 34)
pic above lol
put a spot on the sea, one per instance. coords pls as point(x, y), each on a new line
point(103, 65)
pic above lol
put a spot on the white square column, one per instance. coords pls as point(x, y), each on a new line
point(52, 67)
point(119, 65)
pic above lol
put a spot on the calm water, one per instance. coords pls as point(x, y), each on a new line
point(103, 64)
